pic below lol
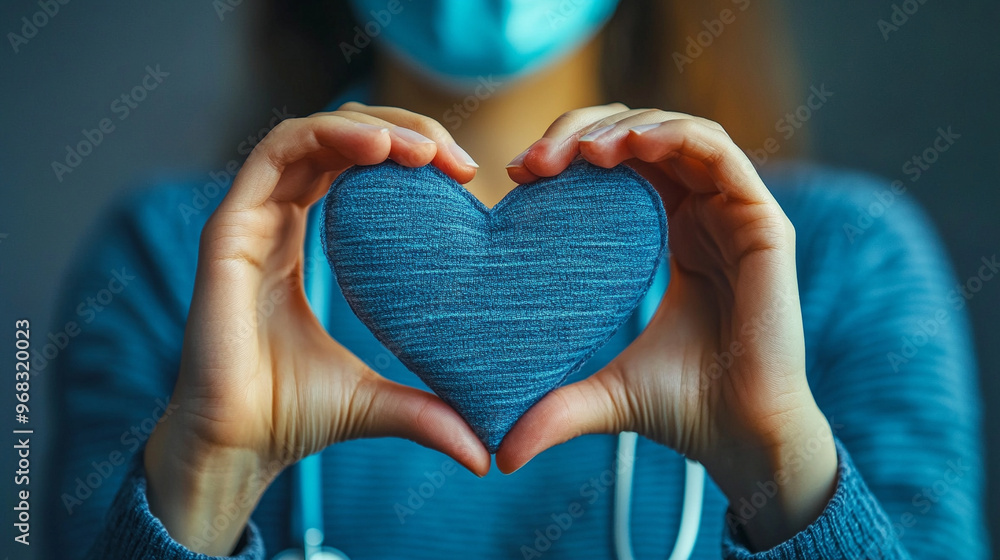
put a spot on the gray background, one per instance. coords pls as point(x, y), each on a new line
point(939, 69)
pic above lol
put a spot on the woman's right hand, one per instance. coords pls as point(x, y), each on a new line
point(261, 384)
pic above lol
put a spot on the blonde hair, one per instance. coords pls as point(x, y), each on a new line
point(731, 61)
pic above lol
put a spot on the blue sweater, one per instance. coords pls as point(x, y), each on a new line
point(889, 360)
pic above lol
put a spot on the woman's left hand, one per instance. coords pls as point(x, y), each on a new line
point(719, 372)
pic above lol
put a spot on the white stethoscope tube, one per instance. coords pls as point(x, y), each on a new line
point(694, 473)
point(694, 488)
point(308, 472)
point(307, 480)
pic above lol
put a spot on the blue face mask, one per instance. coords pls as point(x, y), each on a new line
point(459, 41)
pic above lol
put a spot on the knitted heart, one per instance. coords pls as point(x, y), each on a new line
point(493, 308)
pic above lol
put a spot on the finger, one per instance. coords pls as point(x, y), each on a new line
point(330, 142)
point(606, 142)
point(286, 164)
point(591, 406)
point(547, 158)
point(452, 159)
point(390, 409)
point(409, 146)
point(665, 179)
point(554, 151)
point(730, 170)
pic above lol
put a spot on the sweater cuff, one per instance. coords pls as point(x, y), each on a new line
point(132, 532)
point(853, 525)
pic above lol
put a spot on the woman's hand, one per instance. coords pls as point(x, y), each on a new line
point(261, 383)
point(719, 372)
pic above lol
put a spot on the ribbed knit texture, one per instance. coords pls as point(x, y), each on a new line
point(493, 307)
point(853, 525)
point(909, 431)
point(132, 532)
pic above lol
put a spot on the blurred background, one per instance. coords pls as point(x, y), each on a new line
point(897, 79)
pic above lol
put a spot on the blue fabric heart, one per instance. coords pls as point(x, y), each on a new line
point(493, 308)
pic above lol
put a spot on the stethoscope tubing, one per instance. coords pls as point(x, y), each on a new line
point(307, 519)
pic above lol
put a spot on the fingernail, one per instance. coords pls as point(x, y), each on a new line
point(593, 135)
point(411, 136)
point(643, 128)
point(518, 160)
point(463, 156)
point(367, 126)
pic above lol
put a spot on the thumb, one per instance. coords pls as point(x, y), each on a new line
point(591, 406)
point(395, 410)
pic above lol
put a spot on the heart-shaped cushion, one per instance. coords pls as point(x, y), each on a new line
point(493, 308)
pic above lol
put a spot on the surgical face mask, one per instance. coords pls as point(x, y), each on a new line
point(457, 42)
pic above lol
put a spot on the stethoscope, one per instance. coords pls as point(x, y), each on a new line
point(307, 482)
